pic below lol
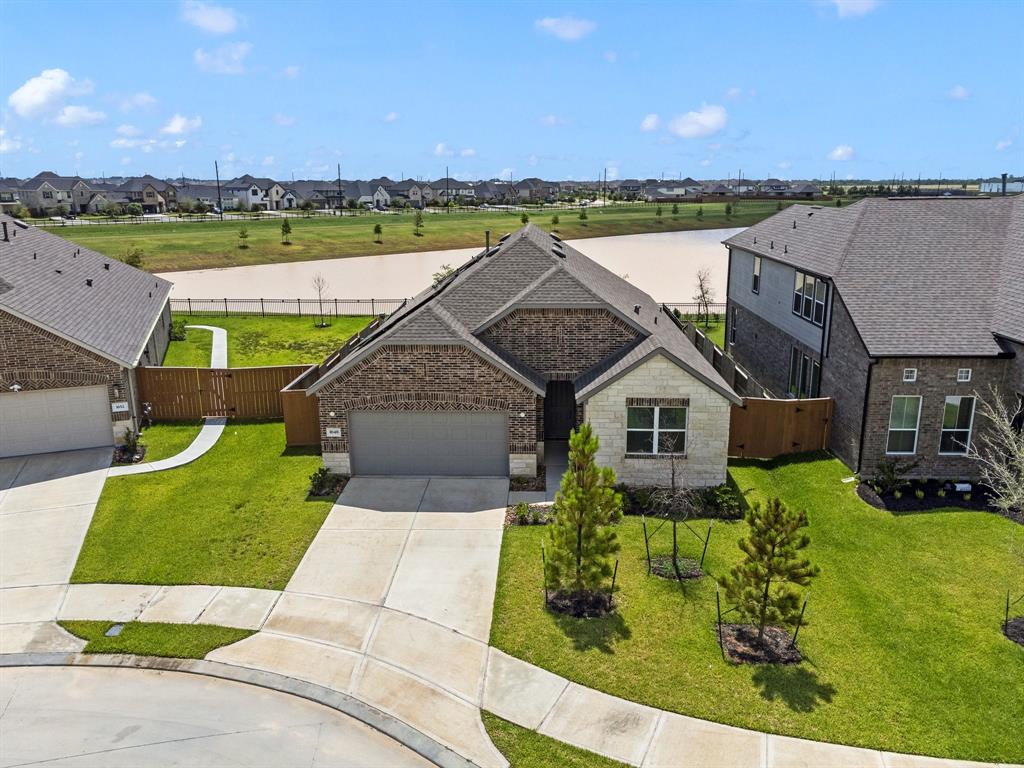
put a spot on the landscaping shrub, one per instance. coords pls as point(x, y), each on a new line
point(890, 475)
point(178, 331)
point(323, 482)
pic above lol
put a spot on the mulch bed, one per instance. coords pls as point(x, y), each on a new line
point(1014, 629)
point(581, 605)
point(529, 483)
point(741, 647)
point(688, 568)
point(910, 503)
point(331, 488)
point(540, 514)
point(122, 456)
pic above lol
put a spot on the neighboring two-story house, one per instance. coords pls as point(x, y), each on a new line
point(154, 195)
point(46, 193)
point(901, 310)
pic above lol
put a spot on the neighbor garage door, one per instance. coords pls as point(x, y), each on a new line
point(54, 420)
point(428, 443)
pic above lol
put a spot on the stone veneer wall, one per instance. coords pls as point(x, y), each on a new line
point(764, 350)
point(707, 436)
point(936, 379)
point(560, 343)
point(844, 378)
point(37, 359)
point(426, 378)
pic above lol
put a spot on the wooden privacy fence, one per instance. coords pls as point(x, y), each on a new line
point(180, 394)
point(301, 413)
point(764, 429)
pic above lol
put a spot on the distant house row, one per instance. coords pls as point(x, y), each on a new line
point(47, 193)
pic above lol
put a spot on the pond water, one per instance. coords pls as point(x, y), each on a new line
point(664, 264)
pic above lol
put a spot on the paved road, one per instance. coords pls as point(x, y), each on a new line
point(76, 716)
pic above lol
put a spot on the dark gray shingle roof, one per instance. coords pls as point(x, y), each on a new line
point(47, 274)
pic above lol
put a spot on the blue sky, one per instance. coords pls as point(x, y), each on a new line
point(804, 88)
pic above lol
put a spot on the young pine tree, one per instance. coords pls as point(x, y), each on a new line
point(583, 541)
point(286, 230)
point(761, 587)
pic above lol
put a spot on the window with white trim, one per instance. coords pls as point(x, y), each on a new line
point(756, 284)
point(909, 375)
point(957, 422)
point(963, 375)
point(904, 419)
point(809, 298)
point(656, 429)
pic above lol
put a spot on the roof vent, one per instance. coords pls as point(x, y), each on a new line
point(88, 282)
point(755, 241)
point(636, 309)
point(785, 249)
point(151, 294)
point(794, 223)
point(771, 244)
point(106, 265)
point(58, 272)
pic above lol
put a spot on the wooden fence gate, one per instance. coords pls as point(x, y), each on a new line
point(764, 429)
point(184, 394)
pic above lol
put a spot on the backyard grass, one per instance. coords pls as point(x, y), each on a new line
point(165, 440)
point(253, 341)
point(237, 516)
point(179, 641)
point(168, 247)
point(903, 650)
point(529, 749)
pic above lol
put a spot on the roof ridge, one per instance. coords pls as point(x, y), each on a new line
point(849, 241)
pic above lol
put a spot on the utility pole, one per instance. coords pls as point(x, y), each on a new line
point(339, 188)
point(220, 203)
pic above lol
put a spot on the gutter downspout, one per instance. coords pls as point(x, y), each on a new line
point(864, 416)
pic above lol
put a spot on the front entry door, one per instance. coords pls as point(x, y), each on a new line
point(559, 410)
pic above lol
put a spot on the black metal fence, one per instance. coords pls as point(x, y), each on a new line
point(270, 307)
point(715, 312)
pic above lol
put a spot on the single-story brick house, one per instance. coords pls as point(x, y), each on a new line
point(522, 343)
point(74, 324)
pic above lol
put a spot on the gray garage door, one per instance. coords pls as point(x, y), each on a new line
point(428, 443)
point(54, 420)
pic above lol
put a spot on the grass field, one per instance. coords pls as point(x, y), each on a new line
point(237, 516)
point(903, 650)
point(528, 749)
point(168, 247)
point(165, 440)
point(252, 341)
point(179, 641)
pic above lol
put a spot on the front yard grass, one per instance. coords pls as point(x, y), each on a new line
point(165, 440)
point(178, 641)
point(254, 341)
point(529, 749)
point(237, 516)
point(903, 650)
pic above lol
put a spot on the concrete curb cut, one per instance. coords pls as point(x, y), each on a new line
point(401, 732)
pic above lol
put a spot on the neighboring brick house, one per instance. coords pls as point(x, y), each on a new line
point(74, 324)
point(902, 310)
point(522, 343)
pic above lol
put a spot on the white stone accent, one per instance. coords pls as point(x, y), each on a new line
point(338, 463)
point(522, 464)
point(707, 435)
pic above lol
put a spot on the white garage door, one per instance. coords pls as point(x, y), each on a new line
point(429, 443)
point(54, 420)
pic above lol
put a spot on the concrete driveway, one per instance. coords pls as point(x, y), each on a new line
point(392, 603)
point(78, 716)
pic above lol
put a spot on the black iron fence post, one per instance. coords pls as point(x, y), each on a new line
point(263, 311)
point(225, 307)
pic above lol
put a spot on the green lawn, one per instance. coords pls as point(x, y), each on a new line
point(165, 440)
point(253, 341)
point(237, 516)
point(903, 651)
point(179, 641)
point(215, 244)
point(529, 749)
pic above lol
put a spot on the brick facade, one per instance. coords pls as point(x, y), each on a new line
point(936, 379)
point(844, 378)
point(560, 343)
point(422, 377)
point(764, 350)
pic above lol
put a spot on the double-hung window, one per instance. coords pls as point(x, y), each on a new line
point(809, 298)
point(656, 429)
point(756, 284)
point(957, 421)
point(904, 419)
point(804, 375)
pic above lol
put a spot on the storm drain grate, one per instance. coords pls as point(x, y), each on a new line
point(114, 631)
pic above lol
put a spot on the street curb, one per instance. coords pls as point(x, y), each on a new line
point(401, 732)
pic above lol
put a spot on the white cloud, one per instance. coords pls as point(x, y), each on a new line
point(841, 152)
point(566, 27)
point(9, 143)
point(127, 130)
point(44, 94)
point(849, 8)
point(552, 120)
point(180, 143)
point(126, 161)
point(706, 121)
point(76, 115)
point(227, 60)
point(291, 71)
point(611, 56)
point(1003, 144)
point(215, 19)
point(506, 174)
point(138, 100)
point(783, 165)
point(467, 152)
point(267, 161)
point(180, 124)
point(650, 122)
point(229, 157)
point(441, 150)
point(734, 93)
point(958, 93)
point(284, 120)
point(532, 160)
point(390, 117)
point(130, 143)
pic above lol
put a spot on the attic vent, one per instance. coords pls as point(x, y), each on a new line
point(771, 244)
point(504, 237)
point(58, 272)
point(88, 281)
point(636, 309)
point(810, 214)
point(755, 241)
point(151, 294)
point(794, 223)
point(785, 249)
point(106, 265)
